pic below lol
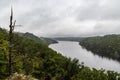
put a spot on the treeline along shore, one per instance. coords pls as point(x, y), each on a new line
point(105, 46)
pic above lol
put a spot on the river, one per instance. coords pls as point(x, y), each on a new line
point(74, 50)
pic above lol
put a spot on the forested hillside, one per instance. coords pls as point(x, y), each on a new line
point(41, 40)
point(32, 58)
point(106, 46)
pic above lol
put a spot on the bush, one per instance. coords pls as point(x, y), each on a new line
point(17, 76)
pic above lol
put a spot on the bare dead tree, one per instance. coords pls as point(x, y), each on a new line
point(11, 26)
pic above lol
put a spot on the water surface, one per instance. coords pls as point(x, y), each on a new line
point(74, 50)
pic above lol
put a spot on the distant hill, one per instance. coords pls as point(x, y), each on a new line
point(69, 38)
point(37, 39)
point(48, 40)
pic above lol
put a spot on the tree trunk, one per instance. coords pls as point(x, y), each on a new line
point(11, 26)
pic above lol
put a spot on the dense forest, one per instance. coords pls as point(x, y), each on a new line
point(36, 59)
point(106, 46)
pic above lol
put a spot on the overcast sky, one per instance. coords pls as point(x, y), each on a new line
point(63, 17)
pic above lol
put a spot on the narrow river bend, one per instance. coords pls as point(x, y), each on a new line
point(74, 50)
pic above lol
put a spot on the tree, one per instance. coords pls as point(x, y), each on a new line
point(11, 26)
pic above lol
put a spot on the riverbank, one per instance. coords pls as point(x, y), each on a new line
point(74, 50)
point(106, 46)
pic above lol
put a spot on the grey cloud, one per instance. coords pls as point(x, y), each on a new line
point(4, 3)
point(64, 17)
point(100, 10)
point(108, 27)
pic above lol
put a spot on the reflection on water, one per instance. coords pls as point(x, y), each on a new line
point(74, 50)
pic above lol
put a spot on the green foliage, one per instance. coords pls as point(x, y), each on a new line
point(3, 57)
point(108, 46)
point(33, 58)
point(3, 34)
point(93, 74)
point(41, 40)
